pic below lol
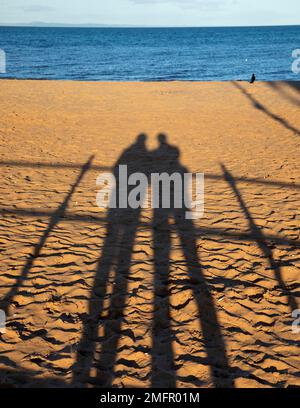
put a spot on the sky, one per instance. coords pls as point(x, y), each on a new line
point(152, 12)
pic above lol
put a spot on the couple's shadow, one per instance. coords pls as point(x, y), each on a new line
point(122, 224)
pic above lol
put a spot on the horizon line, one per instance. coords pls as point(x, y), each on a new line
point(87, 25)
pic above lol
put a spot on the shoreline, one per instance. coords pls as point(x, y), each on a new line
point(150, 81)
point(142, 27)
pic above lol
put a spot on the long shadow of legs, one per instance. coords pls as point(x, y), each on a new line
point(112, 324)
point(211, 330)
point(87, 345)
point(262, 108)
point(55, 217)
point(260, 239)
point(162, 353)
point(117, 253)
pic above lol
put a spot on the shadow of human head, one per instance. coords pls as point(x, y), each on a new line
point(141, 139)
point(135, 156)
point(166, 156)
point(162, 138)
point(139, 145)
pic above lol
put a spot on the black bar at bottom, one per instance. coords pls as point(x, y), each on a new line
point(90, 398)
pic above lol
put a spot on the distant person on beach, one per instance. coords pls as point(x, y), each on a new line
point(253, 79)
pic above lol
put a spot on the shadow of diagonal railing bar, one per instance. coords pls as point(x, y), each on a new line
point(261, 241)
point(208, 176)
point(54, 219)
point(262, 108)
point(202, 231)
point(294, 85)
point(279, 87)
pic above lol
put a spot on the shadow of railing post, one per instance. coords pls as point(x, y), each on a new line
point(260, 239)
point(54, 219)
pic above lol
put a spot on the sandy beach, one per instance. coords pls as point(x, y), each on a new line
point(80, 315)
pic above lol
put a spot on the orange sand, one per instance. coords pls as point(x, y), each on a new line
point(52, 236)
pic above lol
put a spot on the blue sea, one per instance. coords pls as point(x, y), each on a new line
point(150, 54)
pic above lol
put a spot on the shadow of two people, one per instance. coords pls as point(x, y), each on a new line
point(122, 224)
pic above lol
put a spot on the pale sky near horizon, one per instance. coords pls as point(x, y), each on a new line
point(152, 12)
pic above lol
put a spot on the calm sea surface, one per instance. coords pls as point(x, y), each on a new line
point(150, 54)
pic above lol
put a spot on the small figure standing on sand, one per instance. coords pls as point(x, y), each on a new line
point(253, 79)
